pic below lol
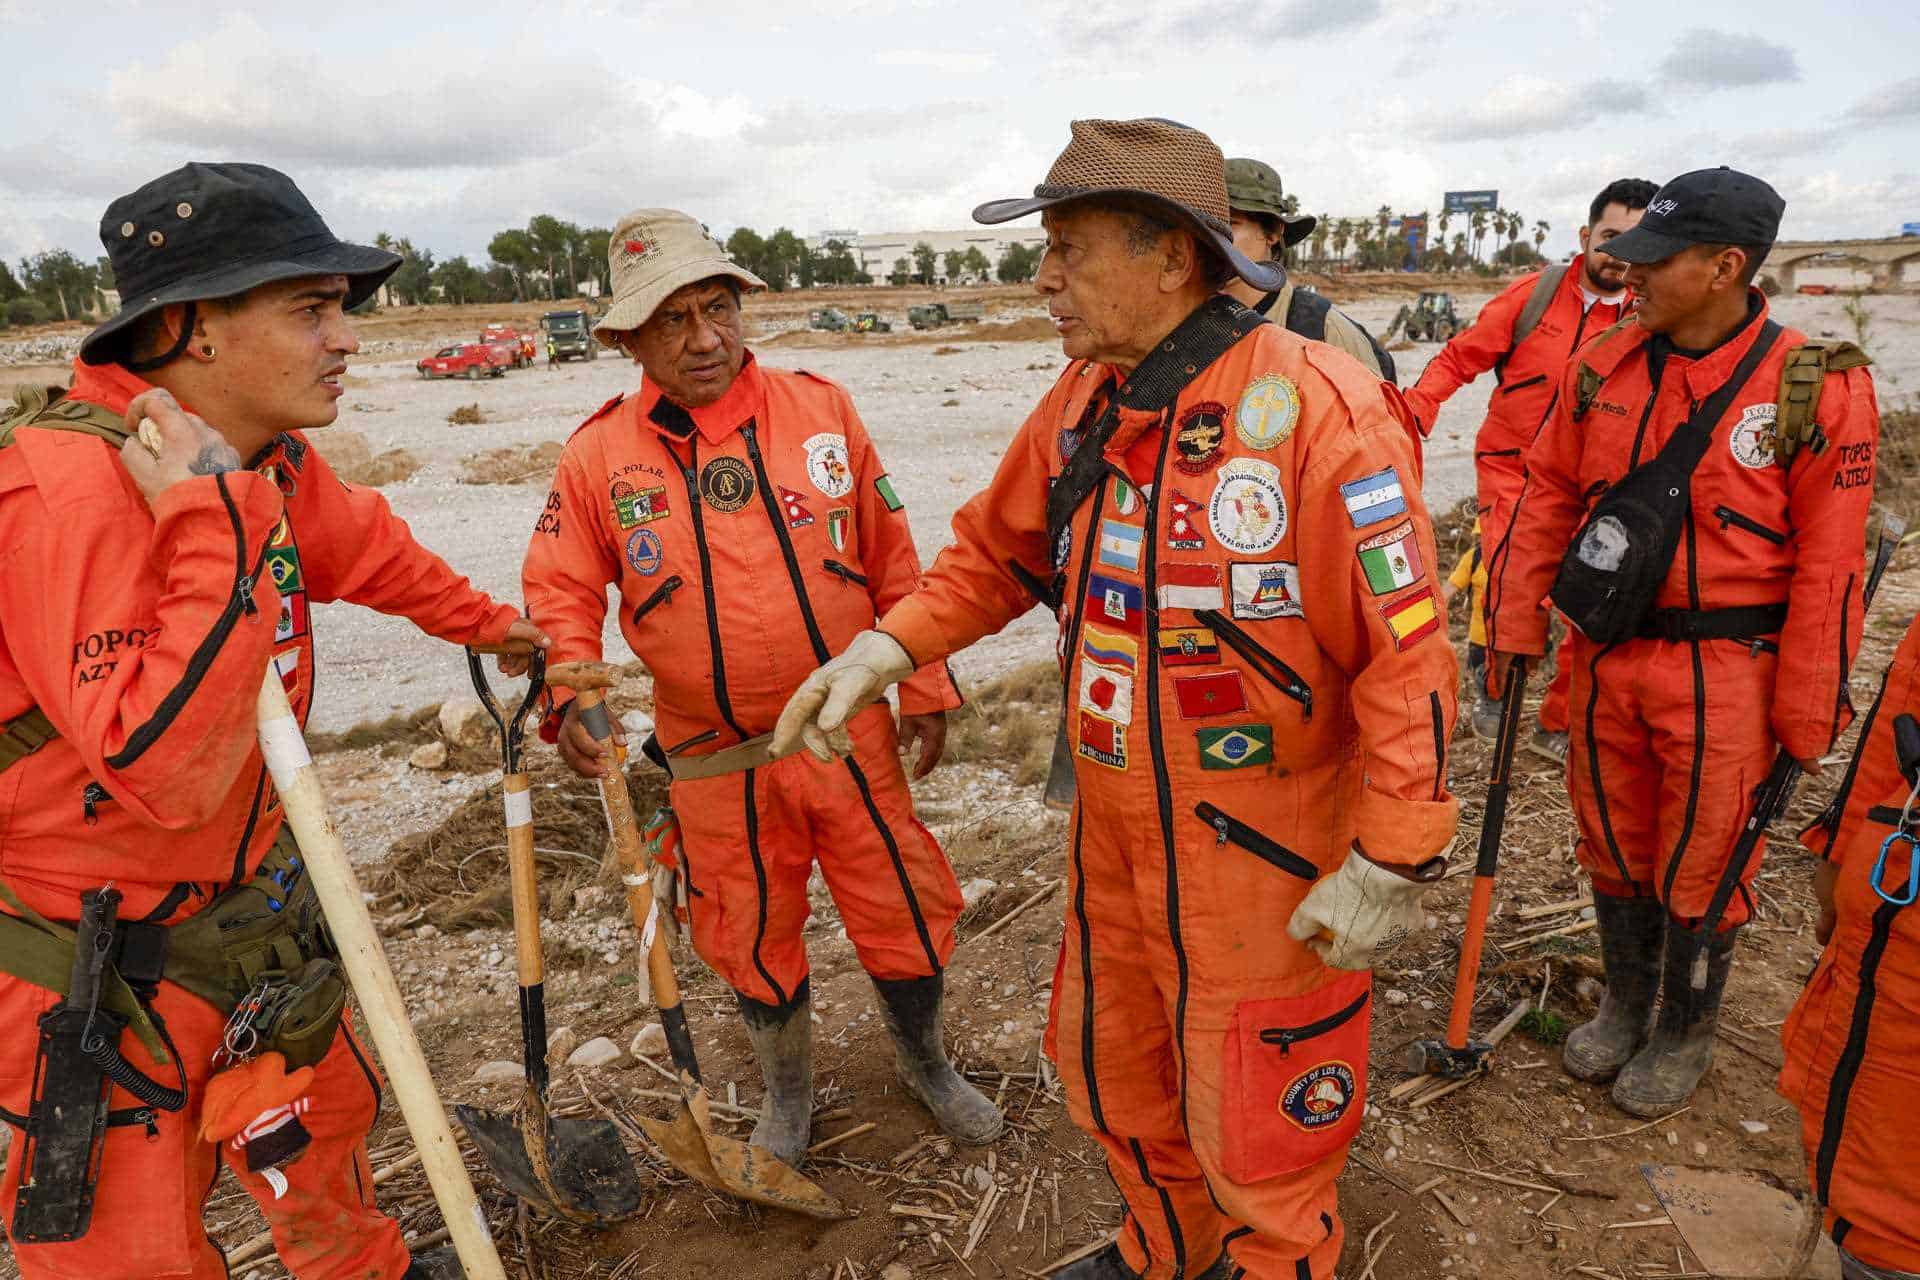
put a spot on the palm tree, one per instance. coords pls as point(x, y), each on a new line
point(1382, 216)
point(1516, 223)
point(1342, 234)
point(1446, 216)
point(1478, 224)
point(1319, 239)
point(1458, 254)
point(1540, 230)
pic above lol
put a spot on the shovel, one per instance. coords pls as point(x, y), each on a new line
point(725, 1164)
point(576, 1169)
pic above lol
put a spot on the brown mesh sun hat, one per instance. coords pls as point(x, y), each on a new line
point(1159, 162)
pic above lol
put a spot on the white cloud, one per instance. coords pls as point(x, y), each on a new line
point(946, 61)
point(1898, 101)
point(1713, 59)
point(1525, 105)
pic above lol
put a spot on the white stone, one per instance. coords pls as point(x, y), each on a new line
point(429, 755)
point(499, 1073)
point(1700, 1149)
point(465, 723)
point(561, 1041)
point(650, 1039)
point(1395, 995)
point(1755, 1126)
point(638, 725)
point(599, 1052)
point(426, 931)
point(974, 890)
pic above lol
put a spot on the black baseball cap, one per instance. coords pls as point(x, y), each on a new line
point(213, 231)
point(1707, 206)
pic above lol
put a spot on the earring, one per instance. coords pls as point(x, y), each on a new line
point(206, 352)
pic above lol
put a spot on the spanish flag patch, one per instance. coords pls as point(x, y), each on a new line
point(1412, 618)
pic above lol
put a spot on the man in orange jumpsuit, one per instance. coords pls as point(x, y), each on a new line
point(142, 599)
point(1853, 1040)
point(1753, 629)
point(1260, 695)
point(752, 532)
point(1583, 299)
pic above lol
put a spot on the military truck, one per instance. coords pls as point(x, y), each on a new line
point(1432, 318)
point(569, 336)
point(831, 319)
point(932, 315)
point(870, 322)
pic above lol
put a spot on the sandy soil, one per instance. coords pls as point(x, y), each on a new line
point(941, 417)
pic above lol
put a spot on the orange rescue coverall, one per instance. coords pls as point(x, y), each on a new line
point(1670, 737)
point(1528, 375)
point(143, 635)
point(1853, 1040)
point(751, 539)
point(1257, 674)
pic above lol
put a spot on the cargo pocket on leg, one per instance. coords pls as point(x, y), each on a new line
point(1296, 1078)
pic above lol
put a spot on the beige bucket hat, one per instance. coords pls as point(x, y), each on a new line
point(652, 253)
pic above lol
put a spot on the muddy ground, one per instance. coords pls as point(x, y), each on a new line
point(940, 411)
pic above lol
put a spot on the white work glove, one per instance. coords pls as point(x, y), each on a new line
point(1361, 906)
point(819, 709)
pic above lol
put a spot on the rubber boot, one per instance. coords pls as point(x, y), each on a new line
point(435, 1264)
point(912, 1010)
point(1632, 933)
point(1662, 1076)
point(782, 1038)
point(1109, 1264)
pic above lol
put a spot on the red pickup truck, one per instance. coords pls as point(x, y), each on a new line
point(516, 348)
point(466, 360)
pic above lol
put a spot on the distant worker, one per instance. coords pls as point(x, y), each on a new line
point(1264, 230)
point(751, 531)
point(1852, 1041)
point(1526, 335)
point(1704, 535)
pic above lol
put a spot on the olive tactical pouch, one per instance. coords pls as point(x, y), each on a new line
point(1802, 379)
point(1620, 555)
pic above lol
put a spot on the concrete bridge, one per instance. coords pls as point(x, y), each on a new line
point(1888, 260)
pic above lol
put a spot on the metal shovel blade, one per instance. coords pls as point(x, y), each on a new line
point(1061, 785)
point(1740, 1223)
point(737, 1168)
point(576, 1169)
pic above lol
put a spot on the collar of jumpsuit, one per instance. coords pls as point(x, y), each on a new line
point(746, 399)
point(110, 386)
point(1703, 371)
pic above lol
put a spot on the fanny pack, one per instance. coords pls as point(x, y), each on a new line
point(1619, 557)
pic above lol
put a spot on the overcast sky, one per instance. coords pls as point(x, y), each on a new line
point(446, 122)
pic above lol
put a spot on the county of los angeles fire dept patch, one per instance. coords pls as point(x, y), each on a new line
point(1248, 511)
point(827, 464)
point(1319, 1096)
point(1753, 438)
point(1268, 412)
point(726, 484)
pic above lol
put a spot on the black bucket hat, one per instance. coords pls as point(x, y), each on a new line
point(215, 230)
point(1160, 163)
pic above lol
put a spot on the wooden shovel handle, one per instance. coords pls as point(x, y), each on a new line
point(518, 799)
point(367, 970)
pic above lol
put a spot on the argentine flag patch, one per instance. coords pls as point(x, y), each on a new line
point(1374, 498)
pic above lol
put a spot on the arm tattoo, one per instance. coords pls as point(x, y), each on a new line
point(215, 458)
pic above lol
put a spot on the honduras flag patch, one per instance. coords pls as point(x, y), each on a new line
point(1374, 498)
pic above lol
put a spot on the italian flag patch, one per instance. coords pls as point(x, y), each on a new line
point(884, 487)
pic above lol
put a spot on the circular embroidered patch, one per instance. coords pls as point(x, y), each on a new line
point(1753, 438)
point(619, 489)
point(1248, 511)
point(1198, 439)
point(726, 484)
point(827, 464)
point(1269, 410)
point(1320, 1096)
point(644, 552)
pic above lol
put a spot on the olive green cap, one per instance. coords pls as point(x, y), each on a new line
point(1254, 187)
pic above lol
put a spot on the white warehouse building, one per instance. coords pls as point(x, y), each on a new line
point(877, 252)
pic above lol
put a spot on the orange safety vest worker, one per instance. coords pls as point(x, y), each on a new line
point(1754, 628)
point(1528, 372)
point(1257, 676)
point(749, 539)
point(1853, 1039)
point(142, 635)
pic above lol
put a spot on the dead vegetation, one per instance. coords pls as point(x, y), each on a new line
point(1896, 483)
point(354, 461)
point(467, 415)
point(1009, 723)
point(393, 736)
point(513, 465)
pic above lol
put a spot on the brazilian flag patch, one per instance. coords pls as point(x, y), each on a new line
point(1239, 746)
point(884, 487)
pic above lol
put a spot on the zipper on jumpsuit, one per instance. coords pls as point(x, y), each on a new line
point(821, 655)
point(1075, 617)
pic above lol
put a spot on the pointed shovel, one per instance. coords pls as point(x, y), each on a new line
point(725, 1164)
point(576, 1169)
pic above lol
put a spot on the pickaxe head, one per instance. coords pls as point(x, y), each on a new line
point(1438, 1058)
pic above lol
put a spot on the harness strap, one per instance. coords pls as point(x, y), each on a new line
point(1743, 622)
point(23, 735)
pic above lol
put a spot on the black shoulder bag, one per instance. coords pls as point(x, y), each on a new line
point(1620, 555)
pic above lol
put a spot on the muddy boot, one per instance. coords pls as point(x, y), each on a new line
point(782, 1038)
point(1662, 1076)
point(1632, 933)
point(912, 1009)
point(1104, 1265)
point(435, 1264)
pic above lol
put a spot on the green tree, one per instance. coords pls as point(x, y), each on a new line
point(748, 248)
point(594, 242)
point(553, 244)
point(1477, 225)
point(1018, 264)
point(501, 285)
point(1540, 230)
point(955, 263)
point(975, 263)
point(837, 264)
point(513, 249)
point(61, 283)
point(10, 287)
point(923, 262)
point(784, 251)
point(412, 284)
point(460, 282)
point(901, 273)
point(1318, 240)
point(1342, 236)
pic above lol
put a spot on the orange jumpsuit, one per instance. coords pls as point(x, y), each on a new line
point(143, 634)
point(1670, 737)
point(1257, 675)
point(1853, 1040)
point(1529, 386)
point(751, 539)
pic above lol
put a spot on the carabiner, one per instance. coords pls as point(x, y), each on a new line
point(1913, 869)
